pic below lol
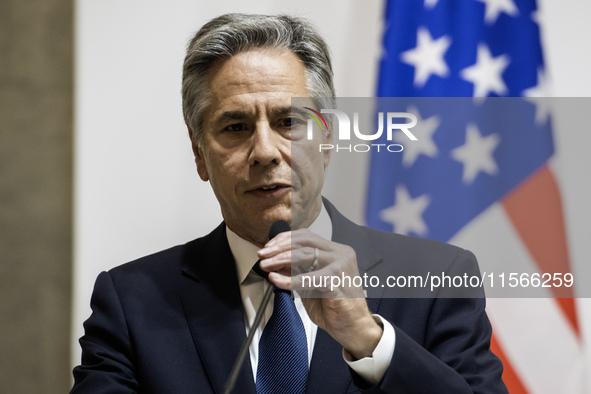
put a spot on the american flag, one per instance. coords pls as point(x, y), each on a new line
point(482, 183)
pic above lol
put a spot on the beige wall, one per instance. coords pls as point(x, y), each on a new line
point(36, 43)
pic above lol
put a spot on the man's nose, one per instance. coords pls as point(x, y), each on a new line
point(265, 146)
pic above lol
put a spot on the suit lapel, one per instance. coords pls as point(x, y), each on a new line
point(329, 374)
point(213, 307)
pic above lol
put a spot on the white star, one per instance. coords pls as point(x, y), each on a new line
point(477, 154)
point(406, 214)
point(495, 7)
point(424, 145)
point(427, 56)
point(538, 95)
point(430, 4)
point(485, 74)
point(535, 16)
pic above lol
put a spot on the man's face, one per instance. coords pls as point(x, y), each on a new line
point(246, 148)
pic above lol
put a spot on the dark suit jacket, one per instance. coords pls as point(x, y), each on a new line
point(173, 322)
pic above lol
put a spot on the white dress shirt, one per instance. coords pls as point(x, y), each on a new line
point(252, 288)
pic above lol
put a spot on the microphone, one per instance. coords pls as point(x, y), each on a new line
point(278, 227)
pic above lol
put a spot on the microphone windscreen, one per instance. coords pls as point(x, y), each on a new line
point(280, 226)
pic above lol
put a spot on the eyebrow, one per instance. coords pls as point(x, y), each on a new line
point(233, 115)
point(295, 109)
point(281, 111)
point(229, 116)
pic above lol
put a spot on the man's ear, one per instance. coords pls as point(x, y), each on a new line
point(199, 158)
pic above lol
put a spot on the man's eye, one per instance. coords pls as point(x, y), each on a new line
point(235, 127)
point(290, 122)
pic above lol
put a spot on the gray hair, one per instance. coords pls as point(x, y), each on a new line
point(230, 34)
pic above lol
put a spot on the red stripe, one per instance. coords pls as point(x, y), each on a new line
point(535, 210)
point(321, 117)
point(510, 377)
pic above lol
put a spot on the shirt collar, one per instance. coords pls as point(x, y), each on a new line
point(245, 253)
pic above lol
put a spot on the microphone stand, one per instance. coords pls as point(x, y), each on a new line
point(244, 349)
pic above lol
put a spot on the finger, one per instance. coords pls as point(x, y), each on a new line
point(280, 280)
point(283, 278)
point(294, 240)
point(307, 259)
point(277, 262)
point(304, 237)
point(299, 238)
point(298, 261)
point(279, 244)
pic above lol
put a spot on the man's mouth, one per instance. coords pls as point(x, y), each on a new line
point(271, 189)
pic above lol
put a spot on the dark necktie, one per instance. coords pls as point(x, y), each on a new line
point(283, 350)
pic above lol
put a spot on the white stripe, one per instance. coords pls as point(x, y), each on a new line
point(534, 333)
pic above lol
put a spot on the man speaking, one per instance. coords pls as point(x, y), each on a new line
point(174, 322)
